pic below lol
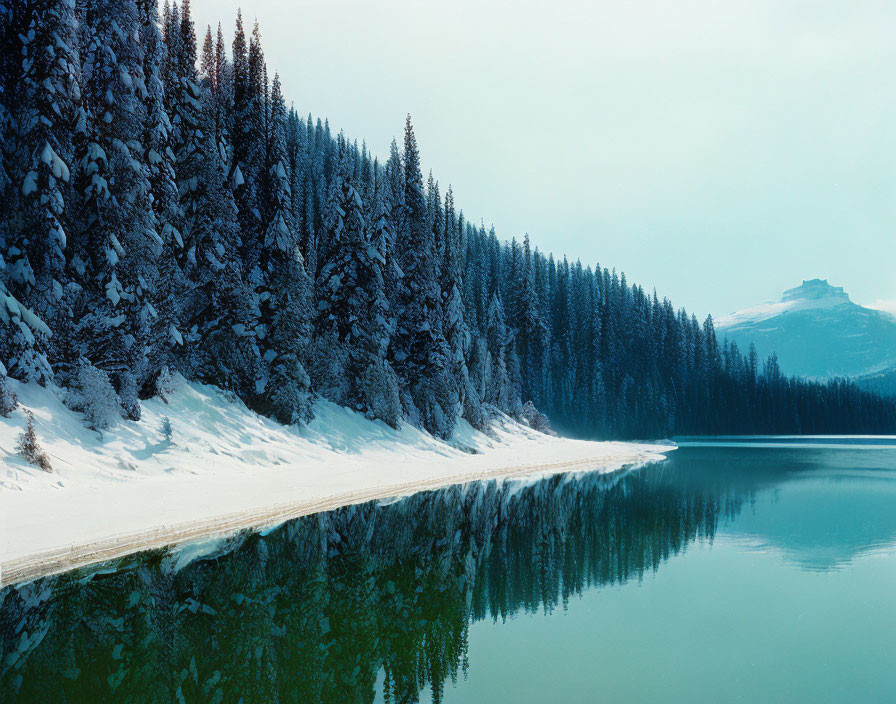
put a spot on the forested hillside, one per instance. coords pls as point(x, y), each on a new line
point(165, 209)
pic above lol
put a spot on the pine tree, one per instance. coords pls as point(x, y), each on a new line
point(420, 353)
point(310, 212)
point(396, 177)
point(285, 288)
point(296, 169)
point(529, 324)
point(116, 247)
point(222, 67)
point(352, 328)
point(498, 338)
point(457, 334)
point(249, 135)
point(160, 160)
point(237, 120)
point(41, 106)
point(209, 64)
point(388, 219)
point(216, 308)
point(278, 218)
point(222, 89)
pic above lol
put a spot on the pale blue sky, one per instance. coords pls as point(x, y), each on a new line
point(720, 152)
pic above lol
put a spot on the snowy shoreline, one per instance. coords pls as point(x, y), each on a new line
point(220, 468)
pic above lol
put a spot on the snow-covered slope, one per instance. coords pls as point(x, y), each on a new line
point(817, 332)
point(222, 467)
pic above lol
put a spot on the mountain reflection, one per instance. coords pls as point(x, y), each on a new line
point(318, 608)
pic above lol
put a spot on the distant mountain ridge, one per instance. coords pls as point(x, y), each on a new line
point(817, 332)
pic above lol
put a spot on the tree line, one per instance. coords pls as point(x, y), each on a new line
point(164, 210)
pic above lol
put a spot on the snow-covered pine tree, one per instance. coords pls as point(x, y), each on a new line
point(352, 329)
point(473, 271)
point(116, 251)
point(329, 358)
point(219, 305)
point(366, 177)
point(215, 308)
point(296, 167)
point(531, 331)
point(452, 238)
point(40, 106)
point(278, 219)
point(248, 132)
point(542, 290)
point(184, 103)
point(160, 159)
point(420, 353)
point(329, 151)
point(182, 85)
point(595, 371)
point(249, 136)
point(395, 177)
point(476, 285)
point(457, 334)
point(323, 174)
point(17, 343)
point(436, 221)
point(237, 119)
point(500, 389)
point(222, 89)
point(284, 291)
point(381, 219)
point(171, 68)
point(208, 65)
point(390, 209)
point(222, 66)
point(10, 69)
point(384, 281)
point(307, 194)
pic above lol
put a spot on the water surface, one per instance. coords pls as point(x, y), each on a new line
point(757, 569)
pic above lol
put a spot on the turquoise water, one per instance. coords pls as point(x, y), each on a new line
point(757, 569)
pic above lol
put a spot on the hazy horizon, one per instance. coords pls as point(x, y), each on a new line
point(720, 155)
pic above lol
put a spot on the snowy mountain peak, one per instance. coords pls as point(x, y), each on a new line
point(816, 331)
point(812, 294)
point(814, 290)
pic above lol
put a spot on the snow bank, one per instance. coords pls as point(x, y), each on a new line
point(223, 468)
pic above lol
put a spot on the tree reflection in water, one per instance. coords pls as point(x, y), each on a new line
point(316, 609)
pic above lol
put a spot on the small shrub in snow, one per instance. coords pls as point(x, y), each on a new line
point(379, 386)
point(289, 400)
point(127, 396)
point(8, 400)
point(164, 384)
point(29, 447)
point(328, 367)
point(92, 394)
point(536, 420)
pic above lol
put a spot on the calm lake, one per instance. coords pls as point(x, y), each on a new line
point(741, 569)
